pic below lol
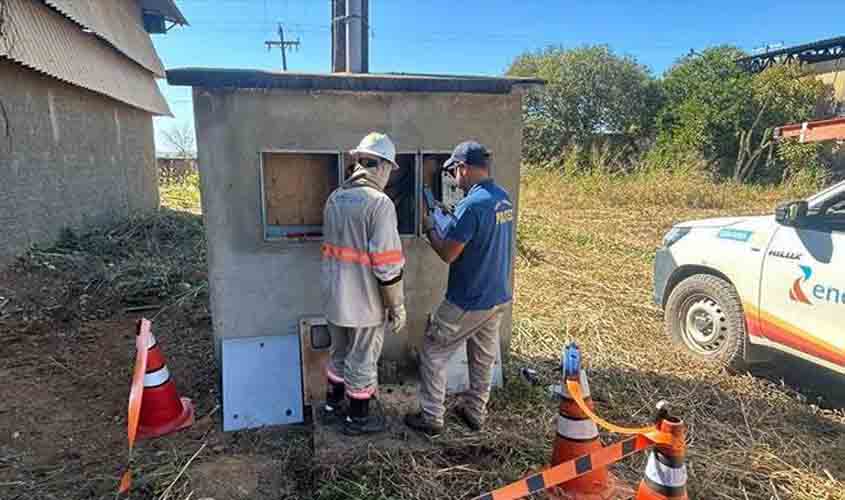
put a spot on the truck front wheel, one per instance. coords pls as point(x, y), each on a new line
point(704, 315)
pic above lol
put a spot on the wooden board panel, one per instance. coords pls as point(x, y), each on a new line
point(296, 186)
point(313, 363)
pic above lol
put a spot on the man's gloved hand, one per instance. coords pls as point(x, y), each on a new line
point(427, 222)
point(393, 296)
point(396, 317)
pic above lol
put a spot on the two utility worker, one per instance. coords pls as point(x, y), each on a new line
point(478, 249)
point(361, 282)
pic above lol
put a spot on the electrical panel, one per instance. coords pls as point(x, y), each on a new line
point(402, 189)
point(451, 194)
point(443, 185)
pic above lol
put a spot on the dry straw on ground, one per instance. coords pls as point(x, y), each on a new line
point(584, 273)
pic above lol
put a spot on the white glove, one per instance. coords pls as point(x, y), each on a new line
point(396, 317)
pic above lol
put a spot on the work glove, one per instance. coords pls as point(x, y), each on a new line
point(396, 318)
point(393, 297)
point(427, 222)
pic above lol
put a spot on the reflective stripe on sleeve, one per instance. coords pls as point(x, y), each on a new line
point(355, 256)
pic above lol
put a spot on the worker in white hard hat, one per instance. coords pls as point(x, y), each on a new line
point(361, 282)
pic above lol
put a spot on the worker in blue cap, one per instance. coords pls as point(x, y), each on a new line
point(479, 250)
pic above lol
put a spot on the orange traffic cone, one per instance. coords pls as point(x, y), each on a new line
point(577, 435)
point(665, 475)
point(162, 410)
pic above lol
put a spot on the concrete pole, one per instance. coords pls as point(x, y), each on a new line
point(354, 61)
point(338, 36)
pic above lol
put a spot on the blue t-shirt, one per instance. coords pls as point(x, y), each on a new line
point(480, 277)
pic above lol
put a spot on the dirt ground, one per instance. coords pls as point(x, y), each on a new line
point(67, 328)
point(67, 323)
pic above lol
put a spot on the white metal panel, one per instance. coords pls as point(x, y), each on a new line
point(262, 382)
point(41, 39)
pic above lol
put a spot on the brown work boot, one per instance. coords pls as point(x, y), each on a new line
point(469, 419)
point(423, 423)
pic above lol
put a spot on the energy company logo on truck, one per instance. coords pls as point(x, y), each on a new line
point(821, 292)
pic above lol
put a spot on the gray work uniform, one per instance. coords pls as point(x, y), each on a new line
point(448, 328)
point(361, 247)
point(477, 296)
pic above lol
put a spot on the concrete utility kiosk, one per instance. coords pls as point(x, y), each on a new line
point(271, 148)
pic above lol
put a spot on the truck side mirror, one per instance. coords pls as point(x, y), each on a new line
point(792, 213)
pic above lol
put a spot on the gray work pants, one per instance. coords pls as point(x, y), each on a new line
point(448, 327)
point(354, 357)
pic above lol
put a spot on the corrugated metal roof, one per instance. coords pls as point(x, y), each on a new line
point(42, 39)
point(118, 22)
point(360, 82)
point(166, 8)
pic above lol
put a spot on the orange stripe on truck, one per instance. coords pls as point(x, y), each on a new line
point(355, 256)
point(763, 324)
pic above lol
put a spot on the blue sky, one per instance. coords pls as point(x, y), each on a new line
point(478, 36)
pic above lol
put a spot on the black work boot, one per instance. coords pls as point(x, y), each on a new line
point(422, 423)
point(334, 411)
point(359, 421)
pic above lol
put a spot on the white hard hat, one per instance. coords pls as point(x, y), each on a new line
point(378, 145)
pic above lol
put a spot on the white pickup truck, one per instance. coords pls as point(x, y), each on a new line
point(729, 285)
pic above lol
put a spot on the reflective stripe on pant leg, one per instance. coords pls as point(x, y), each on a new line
point(337, 353)
point(481, 356)
point(361, 367)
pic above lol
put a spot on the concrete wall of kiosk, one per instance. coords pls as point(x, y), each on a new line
point(260, 287)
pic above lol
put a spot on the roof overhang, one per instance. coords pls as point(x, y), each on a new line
point(166, 8)
point(356, 82)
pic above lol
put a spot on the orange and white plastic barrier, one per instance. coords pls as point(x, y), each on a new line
point(578, 435)
point(155, 409)
point(665, 474)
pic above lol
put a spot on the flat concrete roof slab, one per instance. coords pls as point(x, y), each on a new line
point(358, 82)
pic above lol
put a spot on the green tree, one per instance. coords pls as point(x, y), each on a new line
point(589, 92)
point(727, 116)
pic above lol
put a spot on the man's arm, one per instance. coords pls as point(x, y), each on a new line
point(448, 250)
point(451, 247)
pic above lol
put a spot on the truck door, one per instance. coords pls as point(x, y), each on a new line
point(802, 294)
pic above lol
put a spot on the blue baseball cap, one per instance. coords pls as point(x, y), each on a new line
point(470, 153)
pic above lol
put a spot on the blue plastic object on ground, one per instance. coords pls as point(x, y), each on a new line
point(572, 361)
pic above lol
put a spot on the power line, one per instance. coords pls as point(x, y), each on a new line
point(283, 45)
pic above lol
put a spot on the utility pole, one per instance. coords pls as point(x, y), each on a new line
point(338, 36)
point(350, 36)
point(282, 44)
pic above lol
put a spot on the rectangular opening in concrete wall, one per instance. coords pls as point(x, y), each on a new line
point(295, 186)
point(402, 189)
point(443, 186)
